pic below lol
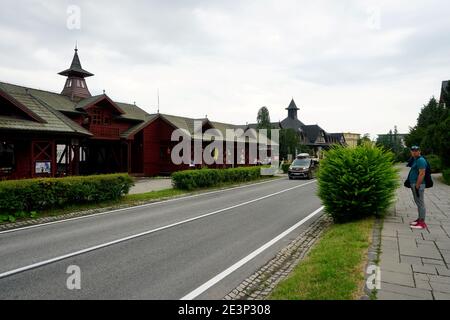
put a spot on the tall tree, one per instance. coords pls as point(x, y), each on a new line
point(364, 139)
point(263, 119)
point(289, 143)
point(426, 133)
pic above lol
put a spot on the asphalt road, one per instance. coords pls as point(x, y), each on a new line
point(165, 250)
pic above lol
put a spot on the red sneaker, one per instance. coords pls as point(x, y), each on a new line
point(419, 225)
point(414, 222)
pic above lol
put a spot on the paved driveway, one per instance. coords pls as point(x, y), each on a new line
point(143, 185)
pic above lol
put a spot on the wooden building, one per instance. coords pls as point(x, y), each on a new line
point(74, 133)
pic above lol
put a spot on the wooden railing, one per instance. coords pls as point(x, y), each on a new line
point(105, 132)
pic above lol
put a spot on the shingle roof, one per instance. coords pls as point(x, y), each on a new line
point(85, 103)
point(53, 120)
point(132, 111)
point(290, 123)
point(312, 132)
point(135, 129)
point(58, 104)
point(75, 68)
point(292, 105)
point(336, 137)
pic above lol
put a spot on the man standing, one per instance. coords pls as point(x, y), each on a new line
point(417, 181)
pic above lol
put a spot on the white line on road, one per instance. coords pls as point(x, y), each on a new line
point(136, 207)
point(194, 294)
point(107, 244)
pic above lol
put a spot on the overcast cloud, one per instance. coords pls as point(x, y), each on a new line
point(359, 66)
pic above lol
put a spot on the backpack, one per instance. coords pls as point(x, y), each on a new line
point(428, 179)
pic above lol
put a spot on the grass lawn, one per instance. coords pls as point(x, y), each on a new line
point(334, 269)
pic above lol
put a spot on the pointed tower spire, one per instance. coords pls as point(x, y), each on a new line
point(292, 110)
point(75, 87)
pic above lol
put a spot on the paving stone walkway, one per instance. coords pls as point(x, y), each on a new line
point(415, 263)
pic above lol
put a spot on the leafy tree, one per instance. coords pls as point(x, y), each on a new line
point(364, 139)
point(263, 119)
point(432, 131)
point(289, 142)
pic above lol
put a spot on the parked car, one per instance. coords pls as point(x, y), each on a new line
point(303, 167)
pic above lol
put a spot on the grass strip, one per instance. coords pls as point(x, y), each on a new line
point(334, 269)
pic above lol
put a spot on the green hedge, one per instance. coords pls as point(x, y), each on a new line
point(446, 175)
point(30, 195)
point(435, 163)
point(357, 182)
point(204, 178)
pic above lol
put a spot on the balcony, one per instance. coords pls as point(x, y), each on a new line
point(105, 132)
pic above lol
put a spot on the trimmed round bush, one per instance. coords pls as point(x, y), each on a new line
point(355, 183)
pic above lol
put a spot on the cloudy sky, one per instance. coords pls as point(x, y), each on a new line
point(359, 66)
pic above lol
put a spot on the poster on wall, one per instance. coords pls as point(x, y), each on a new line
point(43, 167)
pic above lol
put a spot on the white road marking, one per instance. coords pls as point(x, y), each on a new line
point(195, 293)
point(135, 207)
point(107, 244)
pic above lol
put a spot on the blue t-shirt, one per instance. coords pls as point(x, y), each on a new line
point(419, 163)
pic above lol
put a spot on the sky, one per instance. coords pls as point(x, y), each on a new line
point(351, 65)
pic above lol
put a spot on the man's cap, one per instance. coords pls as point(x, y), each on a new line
point(415, 148)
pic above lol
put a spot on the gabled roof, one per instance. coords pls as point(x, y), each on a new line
point(312, 132)
point(20, 107)
point(75, 68)
point(64, 104)
point(132, 112)
point(337, 137)
point(88, 102)
point(129, 134)
point(53, 120)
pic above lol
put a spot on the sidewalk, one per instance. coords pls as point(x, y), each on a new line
point(143, 185)
point(415, 263)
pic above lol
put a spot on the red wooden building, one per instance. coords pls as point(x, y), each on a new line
point(70, 133)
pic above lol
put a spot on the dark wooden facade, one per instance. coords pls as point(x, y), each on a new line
point(45, 134)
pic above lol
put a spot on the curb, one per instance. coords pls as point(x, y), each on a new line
point(261, 283)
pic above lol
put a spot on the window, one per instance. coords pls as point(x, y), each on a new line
point(106, 121)
point(6, 155)
point(69, 83)
point(82, 84)
point(78, 83)
point(97, 117)
point(321, 138)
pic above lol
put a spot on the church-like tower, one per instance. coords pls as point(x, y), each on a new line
point(75, 87)
point(292, 110)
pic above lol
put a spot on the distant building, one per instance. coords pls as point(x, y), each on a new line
point(312, 136)
point(352, 138)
